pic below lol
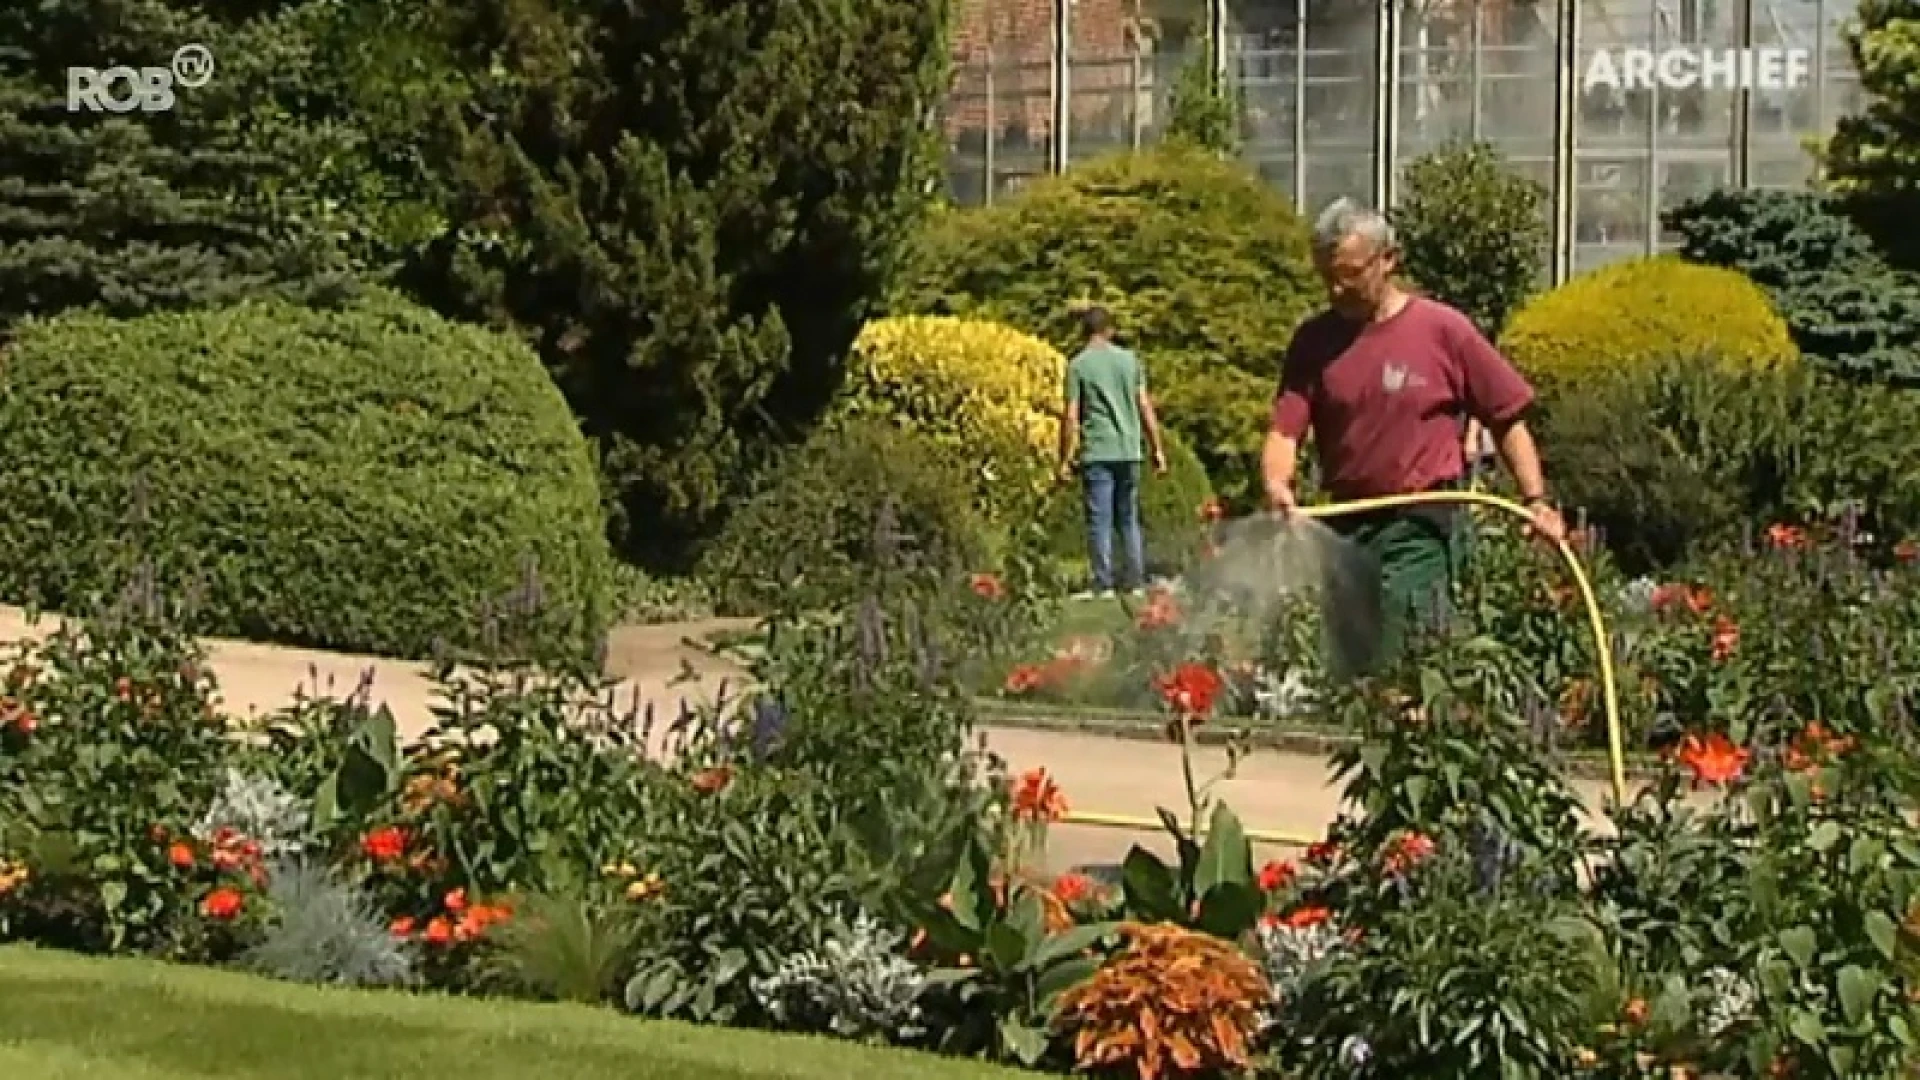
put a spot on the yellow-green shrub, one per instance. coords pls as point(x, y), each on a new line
point(1626, 315)
point(982, 393)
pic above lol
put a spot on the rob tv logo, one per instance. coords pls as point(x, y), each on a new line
point(148, 89)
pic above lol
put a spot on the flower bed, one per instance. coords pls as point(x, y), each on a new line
point(835, 857)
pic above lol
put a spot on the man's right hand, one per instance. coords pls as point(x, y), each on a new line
point(1280, 498)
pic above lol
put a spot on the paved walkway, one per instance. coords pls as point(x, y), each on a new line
point(1273, 791)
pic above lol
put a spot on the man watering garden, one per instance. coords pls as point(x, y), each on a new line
point(1388, 382)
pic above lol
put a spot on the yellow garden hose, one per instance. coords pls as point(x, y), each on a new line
point(1602, 650)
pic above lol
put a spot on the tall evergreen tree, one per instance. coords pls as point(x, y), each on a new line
point(254, 181)
point(690, 206)
point(1873, 157)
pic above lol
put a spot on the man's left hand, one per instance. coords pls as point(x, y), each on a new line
point(1547, 523)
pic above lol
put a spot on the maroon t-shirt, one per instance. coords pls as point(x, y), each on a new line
point(1388, 402)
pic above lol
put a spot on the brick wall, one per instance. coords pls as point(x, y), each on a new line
point(1018, 34)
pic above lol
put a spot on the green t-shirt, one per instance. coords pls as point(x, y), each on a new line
point(1105, 381)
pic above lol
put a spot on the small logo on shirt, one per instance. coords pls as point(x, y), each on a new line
point(1395, 378)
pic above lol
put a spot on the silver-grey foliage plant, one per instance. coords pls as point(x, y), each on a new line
point(257, 807)
point(327, 932)
point(859, 985)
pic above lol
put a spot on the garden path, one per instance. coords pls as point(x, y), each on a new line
point(1275, 791)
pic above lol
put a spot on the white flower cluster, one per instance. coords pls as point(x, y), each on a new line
point(1732, 999)
point(858, 986)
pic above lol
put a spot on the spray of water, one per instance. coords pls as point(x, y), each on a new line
point(1268, 572)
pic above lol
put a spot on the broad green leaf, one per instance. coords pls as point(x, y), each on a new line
point(1071, 942)
point(1151, 893)
point(1825, 835)
point(1807, 1027)
point(1028, 917)
point(1864, 853)
point(1882, 932)
point(1027, 1044)
point(1062, 977)
point(1858, 987)
point(1799, 943)
point(1006, 946)
point(1226, 858)
point(1230, 909)
point(1841, 1057)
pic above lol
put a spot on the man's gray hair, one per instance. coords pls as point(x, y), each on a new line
point(1344, 218)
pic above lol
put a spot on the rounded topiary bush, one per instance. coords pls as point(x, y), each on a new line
point(1206, 267)
point(1172, 509)
point(369, 479)
point(1628, 314)
point(986, 396)
point(813, 530)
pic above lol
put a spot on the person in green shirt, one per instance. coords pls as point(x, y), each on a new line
point(1108, 408)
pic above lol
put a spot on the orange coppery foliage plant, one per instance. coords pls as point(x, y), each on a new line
point(1173, 1003)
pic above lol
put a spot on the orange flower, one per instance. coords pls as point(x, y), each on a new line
point(1713, 760)
point(1636, 1011)
point(1073, 888)
point(1726, 638)
point(1786, 537)
point(123, 688)
point(1693, 598)
point(1037, 798)
point(988, 587)
point(439, 931)
point(1160, 612)
point(1190, 689)
point(1213, 510)
point(1406, 850)
point(1024, 678)
point(477, 919)
point(222, 904)
point(1814, 745)
point(456, 901)
point(385, 844)
point(1277, 875)
point(1303, 918)
point(1323, 853)
point(1906, 551)
point(714, 780)
point(401, 927)
point(181, 856)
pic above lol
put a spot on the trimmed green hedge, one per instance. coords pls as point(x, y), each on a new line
point(371, 479)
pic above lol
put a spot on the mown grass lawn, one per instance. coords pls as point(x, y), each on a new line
point(65, 1017)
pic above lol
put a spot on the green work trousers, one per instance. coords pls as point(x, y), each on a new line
point(1407, 563)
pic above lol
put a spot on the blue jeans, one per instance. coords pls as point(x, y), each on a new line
point(1113, 498)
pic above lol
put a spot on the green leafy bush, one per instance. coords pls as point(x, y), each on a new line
point(367, 479)
point(1472, 233)
point(1627, 314)
point(1849, 311)
point(1681, 457)
point(110, 757)
point(1205, 266)
point(811, 533)
point(1172, 509)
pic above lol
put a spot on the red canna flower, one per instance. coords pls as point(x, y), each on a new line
point(385, 844)
point(401, 927)
point(1190, 689)
point(988, 587)
point(222, 904)
point(1323, 853)
point(1277, 875)
point(439, 931)
point(1073, 888)
point(1714, 759)
point(713, 781)
point(456, 901)
point(1406, 851)
point(181, 856)
point(1036, 798)
point(1303, 918)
